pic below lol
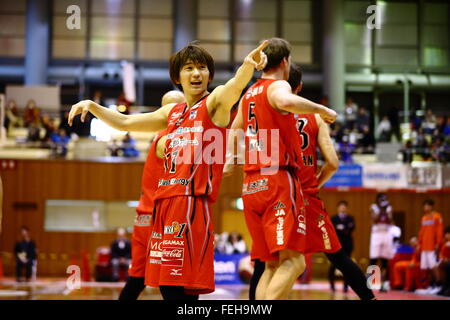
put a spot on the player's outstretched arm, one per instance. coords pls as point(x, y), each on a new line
point(225, 96)
point(147, 122)
point(328, 152)
point(281, 97)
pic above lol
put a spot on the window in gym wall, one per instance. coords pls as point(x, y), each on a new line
point(434, 32)
point(155, 29)
point(68, 43)
point(112, 29)
point(297, 29)
point(88, 216)
point(214, 28)
point(396, 43)
point(358, 38)
point(255, 21)
point(12, 28)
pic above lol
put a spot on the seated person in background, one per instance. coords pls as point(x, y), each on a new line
point(235, 244)
point(59, 142)
point(406, 273)
point(443, 267)
point(25, 252)
point(120, 253)
point(129, 146)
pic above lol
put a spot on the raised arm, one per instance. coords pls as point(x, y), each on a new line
point(225, 96)
point(281, 97)
point(147, 122)
point(329, 154)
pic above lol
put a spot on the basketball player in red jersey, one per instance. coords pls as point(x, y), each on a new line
point(181, 244)
point(322, 236)
point(153, 168)
point(273, 201)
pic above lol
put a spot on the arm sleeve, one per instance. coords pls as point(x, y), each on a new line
point(114, 253)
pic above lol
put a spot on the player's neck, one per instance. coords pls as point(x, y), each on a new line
point(193, 99)
point(275, 74)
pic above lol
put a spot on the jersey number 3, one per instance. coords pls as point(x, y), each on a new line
point(301, 123)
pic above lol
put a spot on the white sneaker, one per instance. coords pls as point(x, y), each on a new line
point(422, 291)
point(434, 290)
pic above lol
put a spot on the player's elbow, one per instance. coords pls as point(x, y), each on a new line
point(334, 165)
point(283, 104)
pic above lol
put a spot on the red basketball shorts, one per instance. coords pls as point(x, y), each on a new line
point(139, 242)
point(181, 248)
point(274, 213)
point(321, 236)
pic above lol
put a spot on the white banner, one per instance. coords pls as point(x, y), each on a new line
point(129, 86)
point(384, 175)
point(424, 175)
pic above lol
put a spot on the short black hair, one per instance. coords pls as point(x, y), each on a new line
point(276, 51)
point(24, 228)
point(429, 202)
point(345, 203)
point(295, 76)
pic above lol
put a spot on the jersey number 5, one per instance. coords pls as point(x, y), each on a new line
point(252, 127)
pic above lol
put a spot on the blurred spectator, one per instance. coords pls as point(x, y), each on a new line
point(31, 113)
point(406, 272)
point(345, 149)
point(430, 238)
point(120, 253)
point(429, 124)
point(446, 130)
point(12, 117)
point(362, 119)
point(98, 97)
point(129, 146)
point(384, 130)
point(367, 141)
point(49, 127)
point(344, 225)
point(26, 253)
point(114, 148)
point(235, 244)
point(59, 141)
point(34, 132)
point(407, 152)
point(64, 124)
point(351, 110)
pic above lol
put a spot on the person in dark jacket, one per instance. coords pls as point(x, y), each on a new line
point(120, 253)
point(25, 252)
point(344, 225)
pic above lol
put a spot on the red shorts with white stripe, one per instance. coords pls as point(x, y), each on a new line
point(181, 248)
point(321, 236)
point(139, 242)
point(274, 213)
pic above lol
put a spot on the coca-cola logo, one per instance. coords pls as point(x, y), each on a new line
point(173, 253)
point(173, 257)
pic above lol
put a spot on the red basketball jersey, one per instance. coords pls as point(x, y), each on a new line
point(194, 155)
point(154, 168)
point(308, 130)
point(262, 125)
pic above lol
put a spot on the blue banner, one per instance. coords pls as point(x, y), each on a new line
point(348, 175)
point(226, 268)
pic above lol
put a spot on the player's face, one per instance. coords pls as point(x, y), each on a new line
point(342, 208)
point(427, 208)
point(194, 78)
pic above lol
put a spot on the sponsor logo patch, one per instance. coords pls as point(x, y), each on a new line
point(172, 257)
